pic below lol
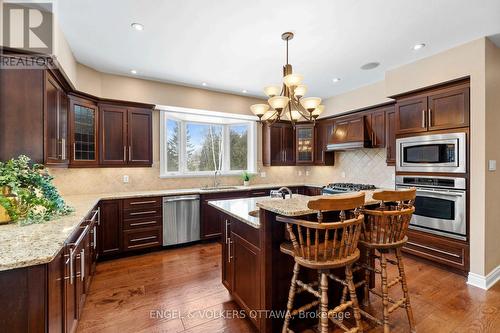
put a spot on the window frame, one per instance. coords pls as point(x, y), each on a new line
point(235, 120)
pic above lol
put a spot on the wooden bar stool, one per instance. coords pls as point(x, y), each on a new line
point(324, 246)
point(384, 230)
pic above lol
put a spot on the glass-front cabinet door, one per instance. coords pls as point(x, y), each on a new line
point(83, 132)
point(304, 144)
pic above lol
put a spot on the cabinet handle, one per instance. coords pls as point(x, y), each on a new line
point(130, 153)
point(429, 116)
point(229, 256)
point(142, 213)
point(142, 202)
point(98, 215)
point(82, 264)
point(124, 153)
point(74, 151)
point(71, 266)
point(423, 118)
point(227, 227)
point(95, 237)
point(434, 249)
point(142, 239)
point(142, 223)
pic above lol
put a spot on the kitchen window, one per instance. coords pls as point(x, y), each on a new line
point(196, 143)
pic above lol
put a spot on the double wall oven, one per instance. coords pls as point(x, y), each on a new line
point(435, 165)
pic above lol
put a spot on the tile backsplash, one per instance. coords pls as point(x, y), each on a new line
point(366, 166)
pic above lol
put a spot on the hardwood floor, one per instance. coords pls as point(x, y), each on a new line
point(180, 290)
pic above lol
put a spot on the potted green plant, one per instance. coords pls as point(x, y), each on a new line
point(246, 176)
point(27, 194)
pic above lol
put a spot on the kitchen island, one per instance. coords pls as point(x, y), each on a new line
point(254, 270)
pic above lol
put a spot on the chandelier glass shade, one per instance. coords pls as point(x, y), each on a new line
point(286, 101)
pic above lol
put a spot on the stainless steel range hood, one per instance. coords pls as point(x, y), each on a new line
point(347, 145)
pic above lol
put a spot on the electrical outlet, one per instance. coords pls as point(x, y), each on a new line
point(125, 179)
point(263, 174)
point(342, 174)
point(299, 173)
point(492, 165)
point(308, 173)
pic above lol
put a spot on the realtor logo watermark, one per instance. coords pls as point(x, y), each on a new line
point(28, 28)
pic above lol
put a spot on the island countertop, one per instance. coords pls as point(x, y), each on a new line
point(294, 206)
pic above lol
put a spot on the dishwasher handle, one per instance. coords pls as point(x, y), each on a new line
point(182, 198)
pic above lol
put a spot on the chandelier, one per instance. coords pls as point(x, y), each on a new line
point(287, 101)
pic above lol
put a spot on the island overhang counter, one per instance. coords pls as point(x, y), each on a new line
point(254, 270)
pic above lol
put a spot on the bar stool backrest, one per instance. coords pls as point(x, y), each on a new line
point(388, 224)
point(327, 241)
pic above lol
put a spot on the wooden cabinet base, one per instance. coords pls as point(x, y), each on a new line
point(441, 250)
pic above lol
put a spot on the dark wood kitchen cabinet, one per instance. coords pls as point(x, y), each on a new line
point(55, 295)
point(439, 108)
point(83, 130)
point(113, 140)
point(56, 122)
point(241, 266)
point(375, 125)
point(278, 144)
point(390, 136)
point(322, 132)
point(304, 144)
point(33, 117)
point(125, 136)
point(110, 228)
point(210, 223)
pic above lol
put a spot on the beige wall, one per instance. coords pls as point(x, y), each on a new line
point(369, 95)
point(492, 230)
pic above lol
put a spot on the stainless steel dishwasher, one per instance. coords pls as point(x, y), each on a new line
point(181, 219)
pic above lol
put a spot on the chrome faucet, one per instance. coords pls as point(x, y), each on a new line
point(216, 182)
point(280, 193)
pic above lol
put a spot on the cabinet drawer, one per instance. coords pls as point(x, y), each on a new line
point(147, 222)
point(141, 203)
point(445, 251)
point(259, 193)
point(142, 213)
point(142, 238)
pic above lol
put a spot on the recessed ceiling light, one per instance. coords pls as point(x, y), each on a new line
point(370, 65)
point(133, 71)
point(137, 26)
point(244, 91)
point(417, 47)
point(204, 84)
point(336, 79)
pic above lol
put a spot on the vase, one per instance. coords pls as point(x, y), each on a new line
point(246, 182)
point(4, 216)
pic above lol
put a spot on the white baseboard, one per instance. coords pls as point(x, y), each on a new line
point(484, 282)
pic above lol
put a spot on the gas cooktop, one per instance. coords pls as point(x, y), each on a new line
point(338, 188)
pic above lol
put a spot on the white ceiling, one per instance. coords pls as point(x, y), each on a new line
point(234, 44)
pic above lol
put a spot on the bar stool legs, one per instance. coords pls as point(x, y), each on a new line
point(388, 304)
point(404, 286)
point(325, 314)
point(323, 307)
point(291, 297)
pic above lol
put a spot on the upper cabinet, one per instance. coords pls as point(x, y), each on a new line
point(304, 148)
point(436, 109)
point(56, 122)
point(375, 126)
point(126, 135)
point(390, 135)
point(278, 144)
point(83, 129)
point(322, 131)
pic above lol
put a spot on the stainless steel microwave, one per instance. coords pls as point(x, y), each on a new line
point(432, 153)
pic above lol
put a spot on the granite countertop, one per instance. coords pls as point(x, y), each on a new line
point(295, 206)
point(39, 243)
